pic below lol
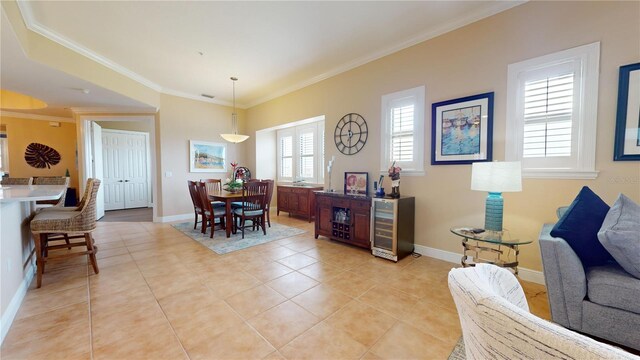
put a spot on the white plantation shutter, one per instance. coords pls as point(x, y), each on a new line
point(548, 116)
point(286, 157)
point(306, 148)
point(552, 114)
point(402, 119)
point(403, 131)
point(301, 152)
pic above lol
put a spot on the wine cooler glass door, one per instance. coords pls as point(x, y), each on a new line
point(384, 222)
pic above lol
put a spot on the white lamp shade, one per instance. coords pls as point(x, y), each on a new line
point(234, 138)
point(505, 176)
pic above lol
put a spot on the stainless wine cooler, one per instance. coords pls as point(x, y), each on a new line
point(392, 232)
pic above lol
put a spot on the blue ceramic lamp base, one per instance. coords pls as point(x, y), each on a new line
point(493, 212)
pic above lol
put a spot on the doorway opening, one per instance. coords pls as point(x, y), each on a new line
point(120, 151)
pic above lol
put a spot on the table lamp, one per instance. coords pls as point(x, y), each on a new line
point(496, 178)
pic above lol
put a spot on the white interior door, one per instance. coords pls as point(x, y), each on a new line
point(96, 132)
point(135, 183)
point(125, 169)
point(114, 177)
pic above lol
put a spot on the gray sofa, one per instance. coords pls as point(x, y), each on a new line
point(603, 301)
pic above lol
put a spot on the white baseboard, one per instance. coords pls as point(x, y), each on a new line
point(171, 218)
point(12, 310)
point(523, 273)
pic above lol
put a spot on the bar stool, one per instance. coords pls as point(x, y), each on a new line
point(48, 226)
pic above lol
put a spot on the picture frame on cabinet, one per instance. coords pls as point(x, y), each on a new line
point(356, 183)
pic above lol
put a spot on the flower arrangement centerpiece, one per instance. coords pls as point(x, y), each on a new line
point(233, 186)
point(394, 175)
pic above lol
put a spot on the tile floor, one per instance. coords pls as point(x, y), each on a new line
point(161, 295)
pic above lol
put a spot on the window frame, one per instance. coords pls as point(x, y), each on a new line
point(581, 165)
point(417, 95)
point(317, 128)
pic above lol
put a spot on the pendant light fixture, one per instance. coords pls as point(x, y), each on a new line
point(234, 137)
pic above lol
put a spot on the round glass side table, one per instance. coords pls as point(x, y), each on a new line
point(493, 247)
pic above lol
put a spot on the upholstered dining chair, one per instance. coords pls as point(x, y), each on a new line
point(52, 180)
point(210, 213)
point(197, 204)
point(16, 181)
point(254, 194)
point(214, 185)
point(48, 226)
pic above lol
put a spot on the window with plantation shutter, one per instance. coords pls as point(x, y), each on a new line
point(552, 113)
point(285, 140)
point(306, 158)
point(300, 153)
point(403, 131)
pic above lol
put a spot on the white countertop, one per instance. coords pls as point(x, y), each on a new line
point(10, 193)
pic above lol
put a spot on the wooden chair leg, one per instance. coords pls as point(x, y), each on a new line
point(195, 222)
point(269, 218)
point(262, 221)
point(243, 226)
point(92, 252)
point(39, 240)
point(213, 226)
point(66, 240)
point(204, 224)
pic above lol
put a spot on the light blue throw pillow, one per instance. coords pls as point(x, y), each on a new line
point(620, 234)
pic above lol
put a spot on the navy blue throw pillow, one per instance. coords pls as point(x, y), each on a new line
point(579, 227)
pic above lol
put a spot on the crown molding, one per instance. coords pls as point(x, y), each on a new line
point(113, 110)
point(499, 6)
point(33, 25)
point(35, 116)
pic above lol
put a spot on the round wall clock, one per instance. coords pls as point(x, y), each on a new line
point(351, 134)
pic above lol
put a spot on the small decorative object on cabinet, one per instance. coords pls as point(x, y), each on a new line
point(343, 217)
point(393, 223)
point(297, 200)
point(356, 183)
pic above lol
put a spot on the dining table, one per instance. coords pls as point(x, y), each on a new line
point(226, 197)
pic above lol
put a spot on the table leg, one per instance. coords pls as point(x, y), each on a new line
point(229, 223)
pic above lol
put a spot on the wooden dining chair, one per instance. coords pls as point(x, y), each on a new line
point(197, 204)
point(268, 199)
point(51, 226)
point(214, 185)
point(254, 195)
point(210, 212)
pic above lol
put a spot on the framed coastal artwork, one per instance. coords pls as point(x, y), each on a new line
point(207, 156)
point(627, 138)
point(462, 130)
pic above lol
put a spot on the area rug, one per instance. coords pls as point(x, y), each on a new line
point(458, 351)
point(220, 244)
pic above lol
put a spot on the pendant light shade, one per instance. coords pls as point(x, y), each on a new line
point(234, 137)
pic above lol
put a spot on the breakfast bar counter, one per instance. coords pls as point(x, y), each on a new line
point(17, 204)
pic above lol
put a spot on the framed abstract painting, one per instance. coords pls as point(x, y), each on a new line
point(462, 130)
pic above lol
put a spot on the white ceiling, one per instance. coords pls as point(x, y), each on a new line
point(59, 90)
point(272, 47)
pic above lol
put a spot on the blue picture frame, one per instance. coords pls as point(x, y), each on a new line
point(627, 136)
point(462, 130)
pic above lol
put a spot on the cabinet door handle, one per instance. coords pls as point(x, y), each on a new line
point(127, 180)
point(120, 180)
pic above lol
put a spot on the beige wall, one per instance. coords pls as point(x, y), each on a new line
point(470, 61)
point(181, 120)
point(21, 132)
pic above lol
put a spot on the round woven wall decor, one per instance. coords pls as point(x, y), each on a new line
point(41, 156)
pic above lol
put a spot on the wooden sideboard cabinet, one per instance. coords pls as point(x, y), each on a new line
point(297, 200)
point(344, 218)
